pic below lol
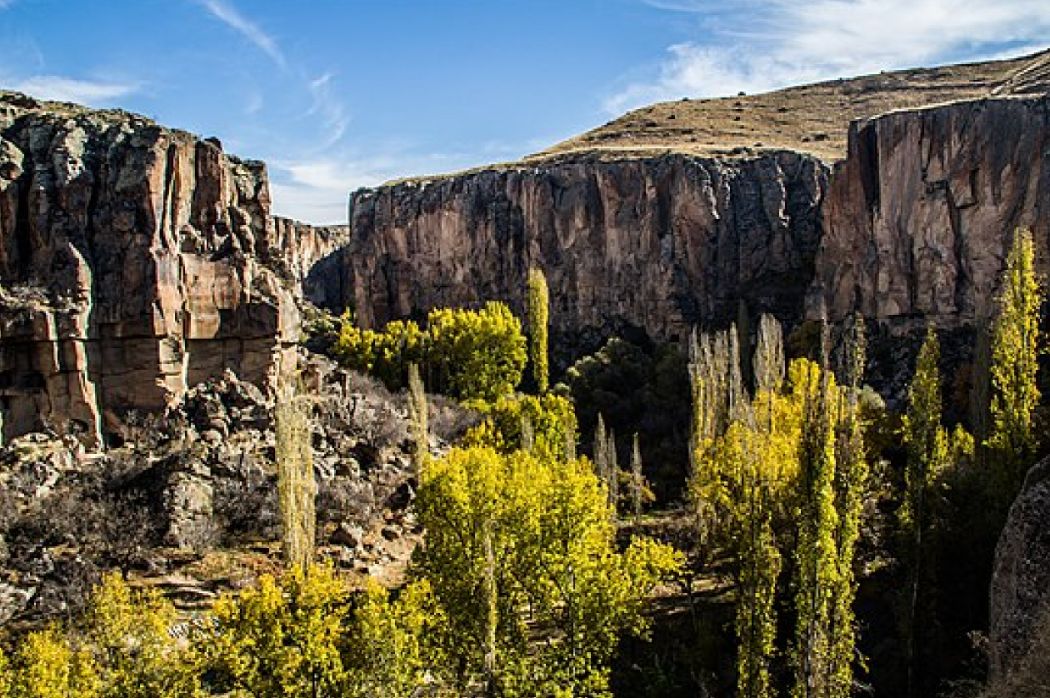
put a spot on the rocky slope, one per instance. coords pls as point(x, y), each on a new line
point(189, 504)
point(135, 262)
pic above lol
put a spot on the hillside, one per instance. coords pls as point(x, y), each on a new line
point(811, 119)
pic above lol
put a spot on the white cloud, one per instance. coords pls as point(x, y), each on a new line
point(64, 89)
point(330, 110)
point(790, 42)
point(231, 17)
point(316, 190)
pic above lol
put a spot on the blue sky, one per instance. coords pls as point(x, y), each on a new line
point(338, 94)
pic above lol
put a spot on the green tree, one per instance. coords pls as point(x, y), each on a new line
point(539, 321)
point(476, 354)
point(816, 554)
point(928, 455)
point(531, 533)
point(550, 417)
point(280, 638)
point(850, 485)
point(1015, 340)
point(296, 487)
point(391, 649)
point(126, 632)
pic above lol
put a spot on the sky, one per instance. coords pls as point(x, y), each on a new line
point(340, 94)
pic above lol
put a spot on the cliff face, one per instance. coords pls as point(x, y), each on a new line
point(133, 264)
point(911, 226)
point(656, 244)
point(918, 216)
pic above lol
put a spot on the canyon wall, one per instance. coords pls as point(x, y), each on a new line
point(655, 244)
point(918, 216)
point(135, 261)
point(911, 226)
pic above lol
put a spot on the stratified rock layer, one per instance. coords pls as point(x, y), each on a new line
point(133, 264)
point(656, 244)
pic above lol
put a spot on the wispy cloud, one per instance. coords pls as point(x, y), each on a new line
point(788, 42)
point(232, 17)
point(331, 111)
point(65, 89)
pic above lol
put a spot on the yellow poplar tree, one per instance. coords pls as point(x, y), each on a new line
point(539, 322)
point(1015, 340)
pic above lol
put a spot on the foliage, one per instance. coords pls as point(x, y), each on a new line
point(122, 649)
point(389, 650)
point(279, 638)
point(537, 533)
point(469, 354)
point(539, 321)
point(638, 388)
point(551, 419)
point(418, 413)
point(48, 666)
point(782, 472)
point(1015, 339)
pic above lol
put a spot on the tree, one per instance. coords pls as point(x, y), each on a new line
point(417, 415)
point(539, 321)
point(296, 487)
point(280, 638)
point(850, 485)
point(126, 633)
point(476, 354)
point(390, 647)
point(551, 418)
point(535, 533)
point(816, 554)
point(639, 491)
point(468, 354)
point(48, 666)
point(1015, 340)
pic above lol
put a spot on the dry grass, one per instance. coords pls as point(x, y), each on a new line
point(809, 118)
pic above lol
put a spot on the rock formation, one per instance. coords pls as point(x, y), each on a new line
point(135, 262)
point(655, 243)
point(1020, 597)
point(911, 226)
point(919, 214)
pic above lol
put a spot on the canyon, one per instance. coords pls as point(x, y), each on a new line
point(138, 262)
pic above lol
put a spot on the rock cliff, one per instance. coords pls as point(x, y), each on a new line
point(656, 244)
point(911, 226)
point(135, 262)
point(918, 215)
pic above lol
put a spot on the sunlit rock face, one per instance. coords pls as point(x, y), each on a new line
point(655, 244)
point(918, 216)
point(135, 261)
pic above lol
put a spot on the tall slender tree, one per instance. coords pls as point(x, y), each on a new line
point(295, 477)
point(637, 479)
point(418, 415)
point(1015, 339)
point(816, 555)
point(539, 321)
point(851, 478)
point(926, 442)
